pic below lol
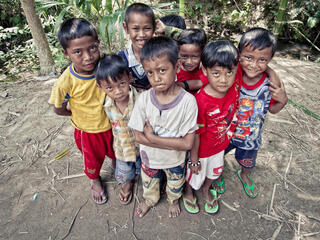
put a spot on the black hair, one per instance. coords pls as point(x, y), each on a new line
point(193, 36)
point(159, 46)
point(174, 21)
point(75, 28)
point(221, 53)
point(110, 66)
point(258, 38)
point(140, 8)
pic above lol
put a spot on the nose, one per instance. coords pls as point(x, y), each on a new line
point(141, 33)
point(189, 60)
point(254, 63)
point(156, 77)
point(87, 55)
point(117, 91)
point(223, 79)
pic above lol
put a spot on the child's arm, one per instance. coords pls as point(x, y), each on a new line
point(279, 95)
point(175, 143)
point(195, 165)
point(191, 84)
point(277, 91)
point(141, 139)
point(169, 31)
point(63, 111)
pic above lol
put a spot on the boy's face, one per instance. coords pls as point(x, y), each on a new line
point(190, 56)
point(255, 62)
point(160, 72)
point(117, 91)
point(220, 80)
point(140, 30)
point(84, 54)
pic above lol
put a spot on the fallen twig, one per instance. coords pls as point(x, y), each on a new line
point(195, 234)
point(276, 232)
point(271, 210)
point(287, 169)
point(73, 220)
point(290, 182)
point(266, 216)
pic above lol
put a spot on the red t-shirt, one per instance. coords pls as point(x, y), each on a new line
point(217, 120)
point(183, 75)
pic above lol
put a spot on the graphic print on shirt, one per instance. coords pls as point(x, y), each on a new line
point(219, 122)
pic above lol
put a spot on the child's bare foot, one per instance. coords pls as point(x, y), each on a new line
point(174, 210)
point(142, 209)
point(125, 194)
point(98, 191)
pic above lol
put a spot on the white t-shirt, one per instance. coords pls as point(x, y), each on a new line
point(175, 119)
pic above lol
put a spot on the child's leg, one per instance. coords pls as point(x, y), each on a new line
point(151, 193)
point(247, 161)
point(175, 181)
point(93, 149)
point(125, 174)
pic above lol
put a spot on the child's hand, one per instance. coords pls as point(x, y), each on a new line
point(278, 93)
point(195, 169)
point(148, 130)
point(160, 28)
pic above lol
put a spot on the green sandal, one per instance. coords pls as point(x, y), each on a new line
point(192, 210)
point(211, 210)
point(246, 187)
point(219, 184)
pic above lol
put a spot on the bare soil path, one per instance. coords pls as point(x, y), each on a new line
point(37, 201)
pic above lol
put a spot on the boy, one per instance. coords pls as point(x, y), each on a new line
point(190, 75)
point(77, 87)
point(164, 121)
point(217, 104)
point(113, 78)
point(139, 24)
point(258, 95)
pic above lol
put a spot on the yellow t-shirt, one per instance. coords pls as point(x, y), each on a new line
point(85, 100)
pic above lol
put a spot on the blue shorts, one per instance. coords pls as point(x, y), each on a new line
point(126, 171)
point(246, 158)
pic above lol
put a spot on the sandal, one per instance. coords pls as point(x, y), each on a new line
point(127, 196)
point(95, 193)
point(215, 209)
point(189, 209)
point(246, 187)
point(219, 184)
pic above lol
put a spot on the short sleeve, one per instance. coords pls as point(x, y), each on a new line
point(189, 123)
point(59, 95)
point(201, 120)
point(138, 115)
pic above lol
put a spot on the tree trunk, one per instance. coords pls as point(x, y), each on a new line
point(280, 18)
point(39, 38)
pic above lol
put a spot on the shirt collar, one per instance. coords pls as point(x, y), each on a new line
point(132, 61)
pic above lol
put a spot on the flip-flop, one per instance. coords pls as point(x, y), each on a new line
point(128, 196)
point(246, 187)
point(103, 192)
point(189, 208)
point(211, 210)
point(219, 184)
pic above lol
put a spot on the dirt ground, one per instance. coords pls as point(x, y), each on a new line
point(47, 198)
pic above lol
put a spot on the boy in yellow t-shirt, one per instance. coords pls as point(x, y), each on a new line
point(77, 86)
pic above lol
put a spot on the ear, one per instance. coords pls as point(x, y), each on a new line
point(65, 53)
point(130, 77)
point(204, 70)
point(177, 67)
point(125, 27)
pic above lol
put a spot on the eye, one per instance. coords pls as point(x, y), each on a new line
point(183, 57)
point(123, 83)
point(162, 70)
point(109, 88)
point(263, 60)
point(78, 52)
point(93, 47)
point(215, 74)
point(248, 57)
point(229, 73)
point(149, 73)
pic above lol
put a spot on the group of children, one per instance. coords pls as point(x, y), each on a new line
point(167, 107)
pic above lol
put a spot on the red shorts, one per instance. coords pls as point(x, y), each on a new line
point(94, 147)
